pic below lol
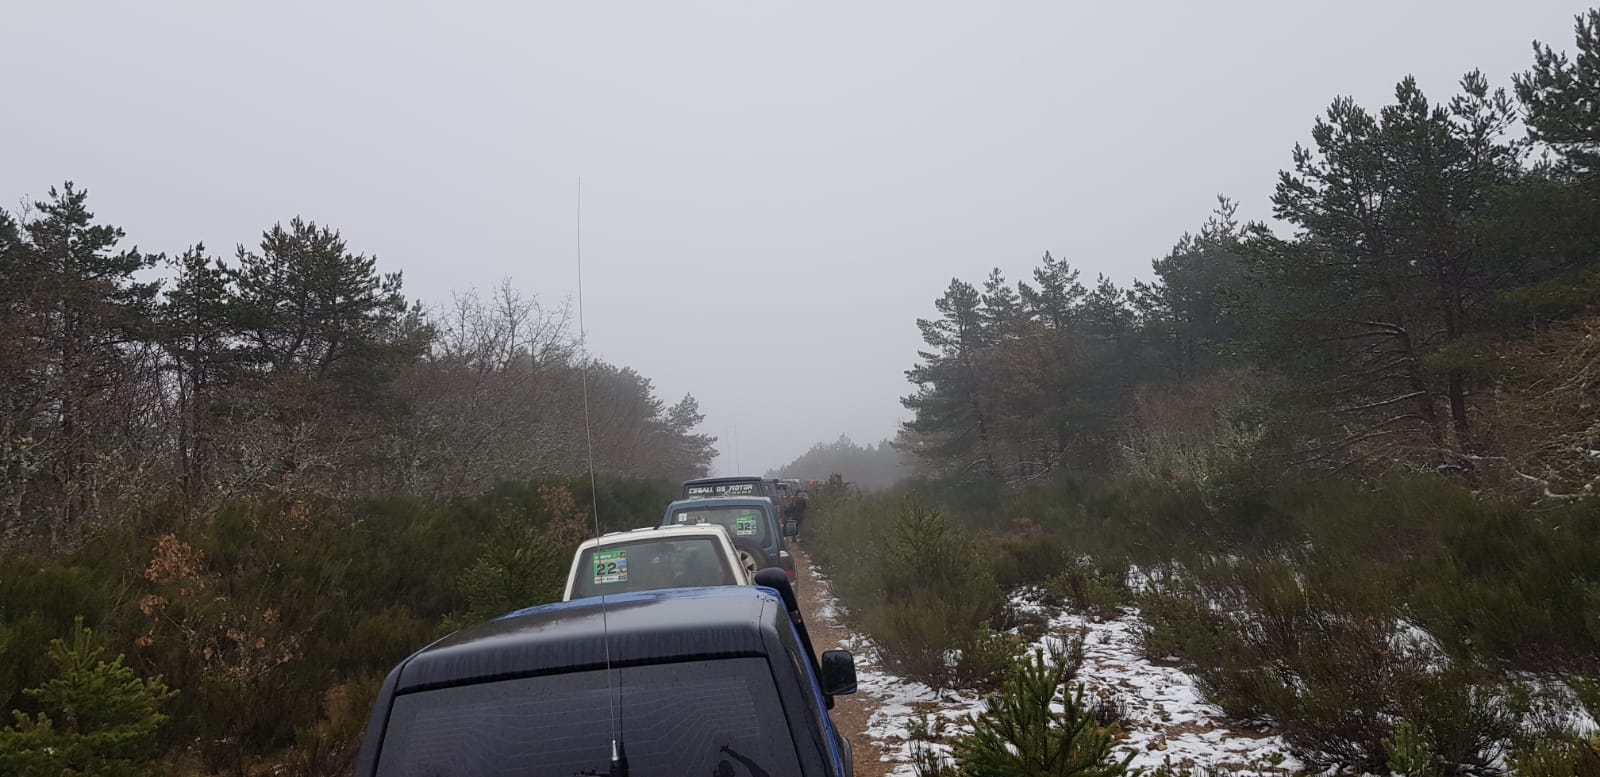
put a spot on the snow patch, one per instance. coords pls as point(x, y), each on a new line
point(1164, 715)
point(1165, 718)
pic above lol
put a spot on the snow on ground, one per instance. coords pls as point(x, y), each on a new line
point(1165, 718)
point(1166, 721)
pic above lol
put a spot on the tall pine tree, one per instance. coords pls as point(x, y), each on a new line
point(78, 305)
point(198, 334)
point(951, 426)
point(1388, 265)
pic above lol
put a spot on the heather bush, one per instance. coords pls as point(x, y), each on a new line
point(272, 618)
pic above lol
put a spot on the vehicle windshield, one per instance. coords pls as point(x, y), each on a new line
point(649, 564)
point(742, 523)
point(690, 718)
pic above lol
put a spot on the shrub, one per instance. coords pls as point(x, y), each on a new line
point(1178, 626)
point(913, 638)
point(1039, 726)
point(39, 600)
point(1108, 708)
point(1268, 645)
point(1409, 752)
point(328, 746)
point(915, 583)
point(520, 566)
point(936, 593)
point(1089, 590)
point(1025, 555)
point(985, 659)
point(1029, 624)
point(99, 718)
point(1558, 757)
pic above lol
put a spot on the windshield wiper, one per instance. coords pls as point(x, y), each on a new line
point(749, 765)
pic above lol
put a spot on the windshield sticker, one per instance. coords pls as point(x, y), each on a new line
point(744, 525)
point(611, 566)
point(722, 489)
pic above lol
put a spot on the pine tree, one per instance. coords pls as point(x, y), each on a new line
point(197, 332)
point(1057, 295)
point(690, 453)
point(99, 720)
point(308, 306)
point(951, 427)
point(324, 335)
point(1389, 264)
point(1561, 96)
point(1002, 306)
point(81, 307)
point(1547, 221)
point(1021, 734)
point(1187, 310)
point(24, 422)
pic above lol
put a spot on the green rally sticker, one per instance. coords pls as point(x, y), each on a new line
point(611, 566)
point(744, 525)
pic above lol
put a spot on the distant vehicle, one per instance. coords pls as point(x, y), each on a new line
point(759, 534)
point(735, 485)
point(697, 681)
point(653, 558)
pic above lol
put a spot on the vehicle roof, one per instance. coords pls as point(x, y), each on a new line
point(723, 478)
point(640, 627)
point(714, 501)
point(651, 532)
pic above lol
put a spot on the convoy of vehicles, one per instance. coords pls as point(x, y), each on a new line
point(677, 649)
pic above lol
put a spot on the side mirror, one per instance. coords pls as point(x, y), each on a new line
point(791, 528)
point(778, 580)
point(838, 673)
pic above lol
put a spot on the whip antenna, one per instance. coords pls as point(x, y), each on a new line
point(619, 757)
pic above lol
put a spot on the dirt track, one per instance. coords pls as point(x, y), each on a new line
point(850, 713)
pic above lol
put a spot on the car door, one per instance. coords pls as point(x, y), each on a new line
point(838, 752)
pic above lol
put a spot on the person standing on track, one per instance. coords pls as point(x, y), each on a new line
point(797, 510)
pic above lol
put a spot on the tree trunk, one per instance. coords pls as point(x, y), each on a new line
point(1450, 298)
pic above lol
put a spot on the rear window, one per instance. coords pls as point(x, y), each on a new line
point(741, 523)
point(676, 719)
point(650, 564)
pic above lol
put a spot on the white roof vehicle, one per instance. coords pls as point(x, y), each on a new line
point(652, 558)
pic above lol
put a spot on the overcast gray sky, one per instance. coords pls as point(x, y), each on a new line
point(801, 175)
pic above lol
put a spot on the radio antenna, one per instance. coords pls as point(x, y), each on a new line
point(619, 757)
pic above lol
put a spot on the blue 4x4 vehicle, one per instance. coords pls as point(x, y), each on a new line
point(759, 534)
point(686, 681)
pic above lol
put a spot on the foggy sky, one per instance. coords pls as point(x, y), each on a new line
point(799, 178)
